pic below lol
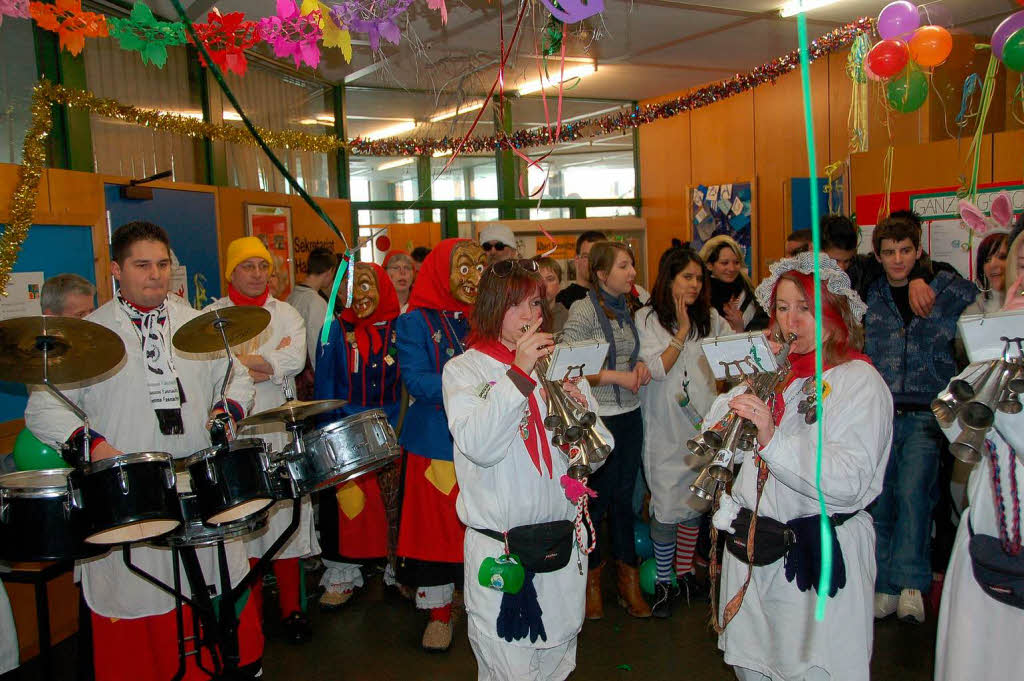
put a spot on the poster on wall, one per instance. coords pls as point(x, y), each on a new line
point(723, 209)
point(22, 299)
point(273, 226)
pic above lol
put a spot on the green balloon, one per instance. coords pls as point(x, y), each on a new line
point(649, 575)
point(908, 91)
point(1013, 51)
point(30, 454)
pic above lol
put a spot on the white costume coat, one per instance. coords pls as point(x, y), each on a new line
point(669, 466)
point(978, 637)
point(8, 634)
point(287, 361)
point(775, 632)
point(120, 410)
point(500, 488)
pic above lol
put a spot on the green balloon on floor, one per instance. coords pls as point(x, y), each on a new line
point(642, 540)
point(31, 454)
point(649, 575)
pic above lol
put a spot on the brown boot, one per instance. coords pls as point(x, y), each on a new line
point(630, 598)
point(595, 608)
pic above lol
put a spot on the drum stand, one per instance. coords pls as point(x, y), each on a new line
point(218, 632)
point(47, 344)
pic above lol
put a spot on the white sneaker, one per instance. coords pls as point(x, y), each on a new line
point(911, 606)
point(885, 605)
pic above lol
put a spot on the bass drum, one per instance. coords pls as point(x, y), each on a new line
point(341, 451)
point(38, 520)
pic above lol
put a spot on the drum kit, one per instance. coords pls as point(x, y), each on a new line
point(218, 494)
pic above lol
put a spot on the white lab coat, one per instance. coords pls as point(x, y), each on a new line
point(288, 361)
point(8, 634)
point(500, 488)
point(775, 631)
point(120, 410)
point(313, 310)
point(978, 637)
point(669, 466)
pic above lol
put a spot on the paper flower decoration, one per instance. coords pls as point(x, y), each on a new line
point(293, 35)
point(143, 33)
point(571, 11)
point(334, 35)
point(69, 22)
point(13, 8)
point(226, 38)
point(439, 5)
point(376, 19)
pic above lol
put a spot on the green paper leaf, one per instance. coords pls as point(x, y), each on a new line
point(625, 667)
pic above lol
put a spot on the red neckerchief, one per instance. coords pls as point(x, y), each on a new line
point(496, 350)
point(239, 298)
point(432, 289)
point(367, 335)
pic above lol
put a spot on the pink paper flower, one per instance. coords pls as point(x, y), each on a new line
point(293, 35)
point(13, 8)
point(439, 5)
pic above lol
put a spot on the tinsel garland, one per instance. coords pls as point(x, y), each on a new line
point(620, 122)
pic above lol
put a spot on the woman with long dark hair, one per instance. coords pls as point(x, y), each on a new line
point(509, 474)
point(606, 314)
point(990, 274)
point(732, 294)
point(681, 391)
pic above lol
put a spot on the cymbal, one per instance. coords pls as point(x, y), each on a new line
point(292, 411)
point(202, 334)
point(76, 349)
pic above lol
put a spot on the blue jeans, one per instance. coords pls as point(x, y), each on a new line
point(903, 511)
point(614, 483)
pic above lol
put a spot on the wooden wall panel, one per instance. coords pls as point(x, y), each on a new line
point(405, 237)
point(916, 166)
point(664, 177)
point(722, 141)
point(1008, 156)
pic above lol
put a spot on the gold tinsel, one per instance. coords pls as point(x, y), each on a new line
point(23, 201)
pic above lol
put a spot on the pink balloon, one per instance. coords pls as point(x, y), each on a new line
point(898, 19)
point(1010, 25)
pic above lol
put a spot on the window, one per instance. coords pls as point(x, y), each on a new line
point(17, 78)
point(469, 177)
point(609, 211)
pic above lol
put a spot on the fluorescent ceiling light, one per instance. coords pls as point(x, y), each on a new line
point(390, 131)
point(555, 77)
point(440, 154)
point(795, 7)
point(231, 116)
point(461, 109)
point(397, 163)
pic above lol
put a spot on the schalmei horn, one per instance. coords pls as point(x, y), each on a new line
point(734, 433)
point(572, 425)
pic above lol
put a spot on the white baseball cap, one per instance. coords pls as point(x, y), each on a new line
point(498, 232)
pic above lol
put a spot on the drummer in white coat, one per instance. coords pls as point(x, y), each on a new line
point(509, 474)
point(274, 359)
point(8, 634)
point(774, 634)
point(681, 391)
point(155, 401)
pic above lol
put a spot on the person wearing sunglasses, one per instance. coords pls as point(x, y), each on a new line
point(498, 242)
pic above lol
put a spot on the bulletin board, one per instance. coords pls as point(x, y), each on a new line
point(724, 209)
point(50, 249)
point(797, 203)
point(944, 235)
point(190, 218)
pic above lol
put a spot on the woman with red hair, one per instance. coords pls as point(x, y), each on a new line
point(511, 480)
point(773, 633)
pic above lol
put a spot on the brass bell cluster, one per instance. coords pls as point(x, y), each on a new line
point(973, 400)
point(733, 433)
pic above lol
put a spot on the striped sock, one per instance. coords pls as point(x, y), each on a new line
point(663, 555)
point(686, 542)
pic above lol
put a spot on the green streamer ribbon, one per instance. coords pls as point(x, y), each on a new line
point(329, 317)
point(825, 577)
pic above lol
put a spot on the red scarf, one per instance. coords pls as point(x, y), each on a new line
point(536, 439)
point(366, 333)
point(239, 298)
point(433, 288)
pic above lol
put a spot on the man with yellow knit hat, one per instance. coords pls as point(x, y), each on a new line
point(273, 359)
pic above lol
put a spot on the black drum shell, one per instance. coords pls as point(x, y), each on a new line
point(194, 532)
point(42, 528)
point(240, 474)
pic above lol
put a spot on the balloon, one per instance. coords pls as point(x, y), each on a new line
point(898, 19)
point(649, 575)
point(887, 58)
point(642, 540)
point(1010, 25)
point(1013, 51)
point(32, 455)
point(869, 73)
point(908, 92)
point(930, 45)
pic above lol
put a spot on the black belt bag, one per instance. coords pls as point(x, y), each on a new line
point(998, 573)
point(544, 547)
point(772, 540)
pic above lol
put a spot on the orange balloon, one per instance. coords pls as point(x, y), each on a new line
point(930, 45)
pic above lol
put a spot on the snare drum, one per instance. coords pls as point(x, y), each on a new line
point(341, 451)
point(126, 498)
point(193, 532)
point(38, 520)
point(233, 482)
